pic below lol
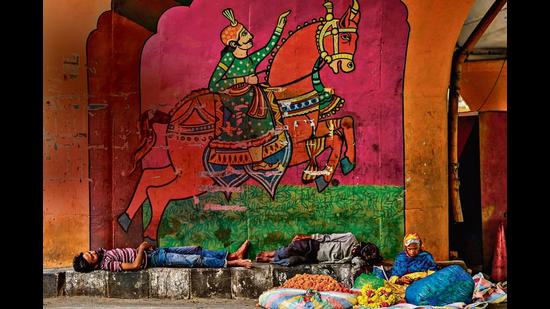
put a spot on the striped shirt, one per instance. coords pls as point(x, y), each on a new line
point(113, 259)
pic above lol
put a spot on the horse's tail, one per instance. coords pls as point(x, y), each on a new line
point(147, 132)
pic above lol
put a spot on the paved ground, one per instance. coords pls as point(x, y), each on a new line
point(216, 303)
point(103, 302)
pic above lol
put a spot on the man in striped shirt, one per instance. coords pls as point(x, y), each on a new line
point(144, 256)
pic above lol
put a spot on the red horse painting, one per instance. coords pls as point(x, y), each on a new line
point(302, 110)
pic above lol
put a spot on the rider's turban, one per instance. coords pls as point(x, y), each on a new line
point(231, 32)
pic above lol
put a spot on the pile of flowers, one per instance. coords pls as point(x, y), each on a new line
point(377, 298)
point(317, 283)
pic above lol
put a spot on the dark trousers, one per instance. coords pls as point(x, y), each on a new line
point(297, 252)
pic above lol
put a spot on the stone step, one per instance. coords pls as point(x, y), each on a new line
point(53, 281)
point(184, 283)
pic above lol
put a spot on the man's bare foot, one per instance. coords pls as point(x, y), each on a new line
point(263, 259)
point(240, 262)
point(241, 252)
point(267, 254)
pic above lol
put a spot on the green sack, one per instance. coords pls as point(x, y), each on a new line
point(370, 279)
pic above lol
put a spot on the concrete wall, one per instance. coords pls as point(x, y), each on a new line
point(484, 85)
point(434, 28)
point(67, 24)
point(188, 207)
point(493, 159)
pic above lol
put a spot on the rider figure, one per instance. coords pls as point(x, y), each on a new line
point(248, 122)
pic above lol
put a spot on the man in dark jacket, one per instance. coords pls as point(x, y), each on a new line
point(317, 248)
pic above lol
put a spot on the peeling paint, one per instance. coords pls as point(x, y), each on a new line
point(71, 67)
point(211, 206)
point(100, 147)
point(221, 189)
point(97, 106)
point(124, 146)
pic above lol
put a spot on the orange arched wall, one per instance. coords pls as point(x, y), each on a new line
point(484, 85)
point(66, 26)
point(435, 26)
point(434, 29)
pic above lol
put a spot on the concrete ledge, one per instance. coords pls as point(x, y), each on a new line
point(53, 281)
point(185, 283)
point(86, 284)
point(340, 272)
point(128, 284)
point(173, 283)
point(251, 283)
point(282, 273)
point(210, 282)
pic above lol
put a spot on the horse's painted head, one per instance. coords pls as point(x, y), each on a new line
point(337, 38)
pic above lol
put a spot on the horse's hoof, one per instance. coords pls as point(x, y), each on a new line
point(346, 165)
point(124, 221)
point(321, 184)
point(307, 180)
point(308, 174)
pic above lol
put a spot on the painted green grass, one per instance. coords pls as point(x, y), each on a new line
point(372, 213)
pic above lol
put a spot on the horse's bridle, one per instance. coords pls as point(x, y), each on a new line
point(323, 30)
point(329, 22)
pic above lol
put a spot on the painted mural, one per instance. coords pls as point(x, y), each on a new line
point(251, 120)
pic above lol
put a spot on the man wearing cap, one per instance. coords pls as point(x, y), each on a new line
point(248, 121)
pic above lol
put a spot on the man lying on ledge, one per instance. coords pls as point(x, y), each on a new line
point(145, 256)
point(324, 248)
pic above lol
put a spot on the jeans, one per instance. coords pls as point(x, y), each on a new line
point(189, 256)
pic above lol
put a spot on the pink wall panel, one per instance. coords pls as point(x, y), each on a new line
point(183, 54)
point(494, 186)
